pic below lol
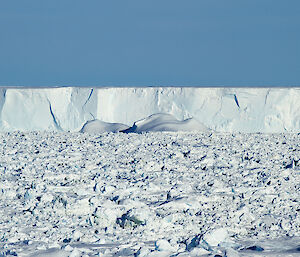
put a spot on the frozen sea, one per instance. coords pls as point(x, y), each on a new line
point(149, 194)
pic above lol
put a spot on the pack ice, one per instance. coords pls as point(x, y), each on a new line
point(219, 109)
point(149, 194)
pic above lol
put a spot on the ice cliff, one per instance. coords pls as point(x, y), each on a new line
point(220, 109)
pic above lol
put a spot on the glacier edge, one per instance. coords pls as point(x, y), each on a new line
point(266, 110)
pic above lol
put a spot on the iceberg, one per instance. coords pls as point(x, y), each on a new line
point(219, 109)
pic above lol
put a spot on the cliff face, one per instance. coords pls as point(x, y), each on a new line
point(220, 109)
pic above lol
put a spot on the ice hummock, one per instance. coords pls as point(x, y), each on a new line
point(166, 122)
point(98, 126)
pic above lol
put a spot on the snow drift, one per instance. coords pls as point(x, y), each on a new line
point(98, 126)
point(220, 109)
point(166, 122)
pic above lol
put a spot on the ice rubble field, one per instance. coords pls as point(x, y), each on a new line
point(149, 194)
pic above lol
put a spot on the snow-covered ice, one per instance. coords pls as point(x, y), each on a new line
point(148, 194)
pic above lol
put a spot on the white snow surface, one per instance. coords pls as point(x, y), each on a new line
point(219, 109)
point(149, 194)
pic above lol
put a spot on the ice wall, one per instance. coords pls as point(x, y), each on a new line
point(221, 109)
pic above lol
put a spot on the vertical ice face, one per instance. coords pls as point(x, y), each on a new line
point(72, 106)
point(47, 109)
point(126, 105)
point(26, 109)
point(221, 109)
point(282, 110)
point(2, 100)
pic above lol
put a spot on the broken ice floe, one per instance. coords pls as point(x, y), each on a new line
point(295, 164)
point(154, 194)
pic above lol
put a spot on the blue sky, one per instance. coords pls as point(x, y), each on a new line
point(150, 43)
